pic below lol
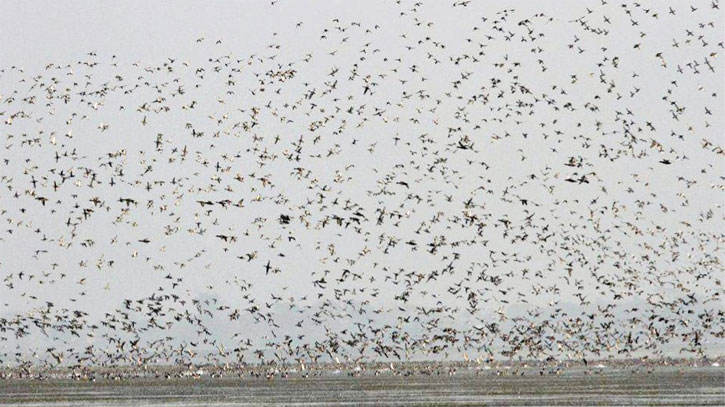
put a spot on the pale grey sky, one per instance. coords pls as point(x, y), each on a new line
point(537, 92)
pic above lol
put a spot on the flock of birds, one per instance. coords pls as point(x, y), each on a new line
point(523, 187)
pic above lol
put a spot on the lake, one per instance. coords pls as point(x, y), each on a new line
point(633, 386)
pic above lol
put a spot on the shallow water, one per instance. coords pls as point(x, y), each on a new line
point(663, 387)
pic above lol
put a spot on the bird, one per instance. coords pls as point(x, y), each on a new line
point(524, 187)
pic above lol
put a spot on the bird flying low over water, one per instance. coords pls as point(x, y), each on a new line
point(433, 180)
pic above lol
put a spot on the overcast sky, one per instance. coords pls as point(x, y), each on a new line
point(662, 184)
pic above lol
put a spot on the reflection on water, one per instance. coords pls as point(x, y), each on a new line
point(664, 386)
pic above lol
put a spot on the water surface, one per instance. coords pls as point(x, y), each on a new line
point(662, 387)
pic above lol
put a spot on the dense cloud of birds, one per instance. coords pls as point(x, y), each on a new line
point(523, 187)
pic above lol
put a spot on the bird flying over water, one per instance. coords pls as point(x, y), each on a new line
point(528, 184)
